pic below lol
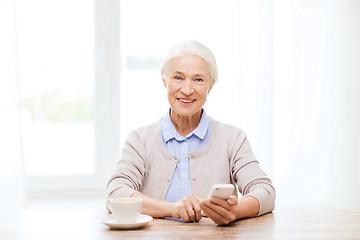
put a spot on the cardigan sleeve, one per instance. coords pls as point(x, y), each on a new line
point(250, 178)
point(130, 170)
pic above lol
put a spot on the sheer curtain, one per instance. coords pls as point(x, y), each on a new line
point(12, 192)
point(317, 103)
point(299, 97)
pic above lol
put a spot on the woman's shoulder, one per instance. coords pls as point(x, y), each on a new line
point(227, 130)
point(146, 133)
point(146, 130)
point(225, 126)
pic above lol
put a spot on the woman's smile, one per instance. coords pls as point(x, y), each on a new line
point(186, 100)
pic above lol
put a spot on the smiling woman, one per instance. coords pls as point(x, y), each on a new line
point(179, 189)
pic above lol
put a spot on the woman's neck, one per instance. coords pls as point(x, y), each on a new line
point(185, 125)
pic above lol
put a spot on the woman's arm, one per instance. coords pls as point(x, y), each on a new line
point(127, 180)
point(187, 208)
point(251, 180)
point(256, 188)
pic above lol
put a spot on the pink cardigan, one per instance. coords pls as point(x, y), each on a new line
point(146, 166)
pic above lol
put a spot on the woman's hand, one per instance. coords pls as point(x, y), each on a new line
point(226, 211)
point(188, 209)
point(221, 211)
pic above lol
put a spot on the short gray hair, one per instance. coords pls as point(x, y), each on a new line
point(193, 48)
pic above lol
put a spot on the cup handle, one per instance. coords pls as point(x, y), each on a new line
point(108, 205)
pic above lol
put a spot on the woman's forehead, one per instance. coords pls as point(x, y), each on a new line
point(188, 62)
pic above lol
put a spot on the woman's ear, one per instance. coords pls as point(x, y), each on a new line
point(163, 78)
point(211, 85)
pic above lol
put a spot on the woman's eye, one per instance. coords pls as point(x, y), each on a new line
point(198, 79)
point(178, 77)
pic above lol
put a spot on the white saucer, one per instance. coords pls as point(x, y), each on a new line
point(110, 221)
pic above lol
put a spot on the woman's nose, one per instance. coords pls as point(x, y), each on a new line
point(187, 87)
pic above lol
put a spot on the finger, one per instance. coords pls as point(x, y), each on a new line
point(196, 208)
point(180, 211)
point(211, 213)
point(191, 214)
point(232, 200)
point(218, 201)
point(204, 208)
point(189, 209)
point(217, 213)
point(194, 211)
point(216, 206)
point(183, 213)
point(223, 204)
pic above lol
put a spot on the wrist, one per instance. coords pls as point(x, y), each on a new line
point(248, 206)
point(170, 209)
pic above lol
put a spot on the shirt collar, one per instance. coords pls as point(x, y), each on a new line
point(169, 132)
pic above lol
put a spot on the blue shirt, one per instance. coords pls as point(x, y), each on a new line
point(180, 147)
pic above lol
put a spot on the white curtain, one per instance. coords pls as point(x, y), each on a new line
point(12, 194)
point(256, 77)
point(300, 97)
point(317, 103)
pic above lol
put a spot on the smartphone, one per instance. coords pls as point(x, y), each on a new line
point(223, 191)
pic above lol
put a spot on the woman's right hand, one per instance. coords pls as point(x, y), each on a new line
point(187, 208)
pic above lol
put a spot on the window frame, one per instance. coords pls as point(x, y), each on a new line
point(106, 108)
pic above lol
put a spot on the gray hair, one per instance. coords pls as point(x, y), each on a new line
point(193, 48)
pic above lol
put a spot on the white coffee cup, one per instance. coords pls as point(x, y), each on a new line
point(126, 210)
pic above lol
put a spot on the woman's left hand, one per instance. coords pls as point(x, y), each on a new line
point(221, 211)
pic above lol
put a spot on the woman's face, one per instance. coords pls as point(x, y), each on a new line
point(188, 82)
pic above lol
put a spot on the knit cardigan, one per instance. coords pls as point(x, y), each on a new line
point(145, 166)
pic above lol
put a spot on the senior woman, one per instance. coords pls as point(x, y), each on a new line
point(173, 163)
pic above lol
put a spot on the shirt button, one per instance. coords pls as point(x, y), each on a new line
point(194, 179)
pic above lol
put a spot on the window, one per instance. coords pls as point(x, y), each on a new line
point(56, 49)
